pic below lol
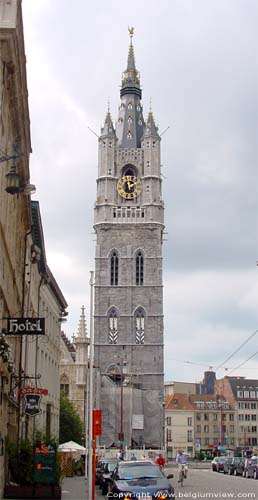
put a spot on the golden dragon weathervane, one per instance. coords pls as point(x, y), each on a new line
point(131, 31)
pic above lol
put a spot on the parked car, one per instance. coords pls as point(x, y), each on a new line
point(220, 464)
point(240, 467)
point(231, 464)
point(252, 468)
point(140, 478)
point(109, 466)
point(99, 469)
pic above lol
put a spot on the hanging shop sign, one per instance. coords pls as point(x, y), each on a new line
point(33, 390)
point(32, 404)
point(25, 326)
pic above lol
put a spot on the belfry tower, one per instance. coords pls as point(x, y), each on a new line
point(128, 309)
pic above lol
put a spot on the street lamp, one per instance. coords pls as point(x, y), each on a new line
point(14, 185)
point(121, 365)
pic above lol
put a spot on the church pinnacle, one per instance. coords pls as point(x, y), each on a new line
point(82, 329)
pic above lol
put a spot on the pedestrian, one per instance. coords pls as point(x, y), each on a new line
point(133, 457)
point(160, 461)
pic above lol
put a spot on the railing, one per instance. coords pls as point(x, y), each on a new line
point(129, 214)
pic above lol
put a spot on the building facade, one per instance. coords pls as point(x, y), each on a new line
point(27, 286)
point(199, 423)
point(74, 367)
point(242, 394)
point(128, 304)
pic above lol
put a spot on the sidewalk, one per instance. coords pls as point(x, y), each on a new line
point(76, 488)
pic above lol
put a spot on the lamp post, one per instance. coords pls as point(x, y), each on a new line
point(90, 440)
point(120, 365)
point(122, 411)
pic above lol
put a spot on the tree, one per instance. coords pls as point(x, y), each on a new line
point(71, 426)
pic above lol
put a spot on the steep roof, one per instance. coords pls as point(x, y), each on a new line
point(242, 384)
point(179, 401)
point(68, 344)
point(38, 240)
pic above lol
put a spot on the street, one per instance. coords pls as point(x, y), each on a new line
point(200, 483)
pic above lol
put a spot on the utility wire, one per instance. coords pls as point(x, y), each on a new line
point(238, 349)
point(243, 363)
point(191, 363)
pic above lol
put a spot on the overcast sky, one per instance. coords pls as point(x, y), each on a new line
point(198, 65)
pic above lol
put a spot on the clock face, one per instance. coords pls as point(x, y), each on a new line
point(129, 187)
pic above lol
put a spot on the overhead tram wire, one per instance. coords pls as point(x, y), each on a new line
point(243, 362)
point(210, 366)
point(238, 349)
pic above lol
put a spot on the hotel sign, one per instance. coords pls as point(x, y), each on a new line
point(25, 326)
point(32, 404)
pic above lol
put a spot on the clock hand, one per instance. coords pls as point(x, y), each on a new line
point(130, 185)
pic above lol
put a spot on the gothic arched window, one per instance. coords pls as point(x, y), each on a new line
point(139, 268)
point(112, 326)
point(139, 326)
point(114, 268)
point(64, 384)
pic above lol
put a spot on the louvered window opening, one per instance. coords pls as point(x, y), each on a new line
point(113, 332)
point(114, 269)
point(139, 269)
point(139, 334)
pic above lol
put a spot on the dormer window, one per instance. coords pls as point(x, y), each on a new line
point(129, 135)
point(130, 119)
point(138, 107)
point(140, 123)
point(147, 130)
point(130, 105)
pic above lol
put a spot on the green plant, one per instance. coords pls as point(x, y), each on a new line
point(71, 426)
point(59, 473)
point(20, 461)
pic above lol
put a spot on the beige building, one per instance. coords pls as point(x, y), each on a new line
point(14, 209)
point(173, 387)
point(74, 366)
point(179, 425)
point(27, 286)
point(198, 423)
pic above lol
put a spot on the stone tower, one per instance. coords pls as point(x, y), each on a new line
point(128, 304)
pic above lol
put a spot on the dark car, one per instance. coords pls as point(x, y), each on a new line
point(240, 468)
point(252, 468)
point(105, 474)
point(99, 469)
point(139, 479)
point(220, 464)
point(231, 464)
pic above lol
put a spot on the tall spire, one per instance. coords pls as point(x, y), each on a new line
point(130, 123)
point(131, 77)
